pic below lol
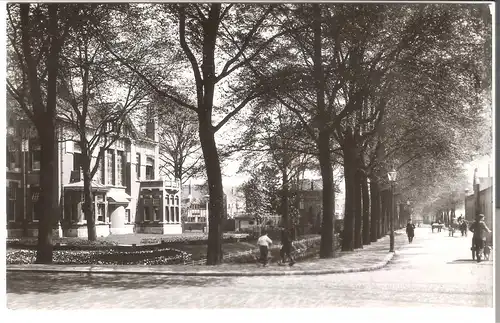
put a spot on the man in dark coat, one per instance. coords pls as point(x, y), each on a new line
point(410, 231)
point(286, 249)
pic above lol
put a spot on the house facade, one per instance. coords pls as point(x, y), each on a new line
point(121, 186)
point(485, 202)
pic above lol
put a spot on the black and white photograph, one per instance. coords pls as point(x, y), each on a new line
point(249, 155)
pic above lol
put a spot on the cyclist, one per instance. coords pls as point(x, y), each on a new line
point(479, 236)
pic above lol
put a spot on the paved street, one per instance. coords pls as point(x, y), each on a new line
point(434, 271)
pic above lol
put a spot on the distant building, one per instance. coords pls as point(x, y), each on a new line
point(235, 202)
point(195, 198)
point(310, 202)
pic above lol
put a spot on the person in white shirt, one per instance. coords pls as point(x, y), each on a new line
point(264, 243)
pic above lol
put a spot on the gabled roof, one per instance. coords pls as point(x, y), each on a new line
point(99, 112)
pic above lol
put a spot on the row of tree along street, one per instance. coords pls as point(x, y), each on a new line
point(363, 87)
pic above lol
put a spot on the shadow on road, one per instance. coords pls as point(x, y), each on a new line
point(22, 283)
point(468, 261)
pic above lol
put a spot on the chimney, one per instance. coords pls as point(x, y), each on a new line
point(151, 124)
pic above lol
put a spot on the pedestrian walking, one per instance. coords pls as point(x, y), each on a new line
point(463, 227)
point(479, 228)
point(286, 247)
point(264, 242)
point(410, 231)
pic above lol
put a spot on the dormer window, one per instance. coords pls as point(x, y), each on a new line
point(110, 126)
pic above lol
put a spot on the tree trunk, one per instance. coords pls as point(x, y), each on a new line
point(350, 195)
point(48, 164)
point(383, 227)
point(326, 247)
point(358, 217)
point(45, 122)
point(375, 211)
point(214, 176)
point(284, 201)
point(366, 211)
point(402, 215)
point(88, 204)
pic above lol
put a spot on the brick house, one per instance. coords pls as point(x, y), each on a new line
point(126, 176)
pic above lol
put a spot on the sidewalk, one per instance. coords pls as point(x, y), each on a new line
point(371, 257)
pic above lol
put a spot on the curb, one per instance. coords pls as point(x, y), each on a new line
point(203, 273)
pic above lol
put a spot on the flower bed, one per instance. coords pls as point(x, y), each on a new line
point(145, 243)
point(198, 239)
point(165, 256)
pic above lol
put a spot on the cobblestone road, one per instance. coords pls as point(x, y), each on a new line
point(434, 271)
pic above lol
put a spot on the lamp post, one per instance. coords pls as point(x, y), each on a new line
point(408, 211)
point(207, 197)
point(392, 179)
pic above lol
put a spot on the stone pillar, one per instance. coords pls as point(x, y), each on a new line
point(167, 199)
point(117, 219)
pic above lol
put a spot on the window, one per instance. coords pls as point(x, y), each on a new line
point(176, 200)
point(146, 213)
point(177, 215)
point(156, 213)
point(35, 159)
point(127, 215)
point(167, 214)
point(77, 161)
point(77, 148)
point(110, 126)
point(101, 213)
point(110, 167)
point(119, 168)
point(150, 168)
point(12, 159)
point(138, 166)
point(11, 201)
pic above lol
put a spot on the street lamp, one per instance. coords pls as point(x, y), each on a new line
point(207, 197)
point(392, 179)
point(408, 210)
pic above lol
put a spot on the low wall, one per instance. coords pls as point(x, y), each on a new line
point(125, 229)
point(31, 231)
point(80, 230)
point(159, 228)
